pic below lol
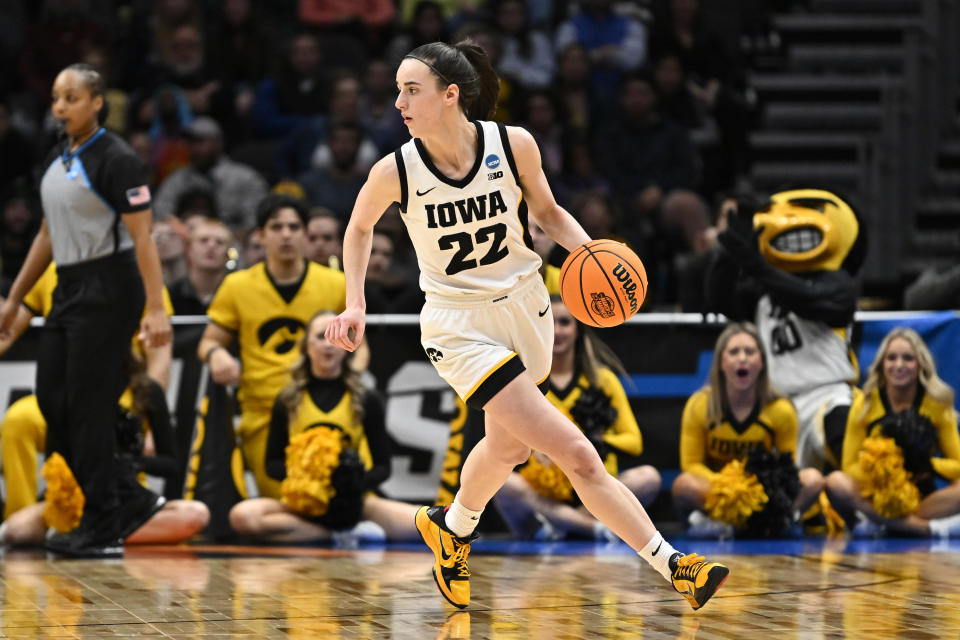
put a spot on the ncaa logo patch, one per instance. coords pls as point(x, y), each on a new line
point(492, 161)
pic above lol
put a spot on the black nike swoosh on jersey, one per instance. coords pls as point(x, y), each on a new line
point(657, 549)
point(544, 312)
point(423, 193)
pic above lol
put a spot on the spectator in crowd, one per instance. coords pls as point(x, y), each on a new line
point(142, 144)
point(616, 44)
point(237, 188)
point(936, 288)
point(289, 100)
point(194, 205)
point(240, 48)
point(325, 393)
point(150, 34)
point(737, 411)
point(579, 174)
point(546, 126)
point(325, 238)
point(538, 500)
point(367, 23)
point(63, 31)
point(344, 109)
point(424, 21)
point(206, 258)
point(677, 102)
point(170, 249)
point(266, 308)
point(387, 289)
point(903, 417)
point(714, 78)
point(597, 214)
point(528, 58)
point(572, 90)
point(377, 114)
point(18, 225)
point(337, 185)
point(653, 168)
point(15, 148)
point(252, 249)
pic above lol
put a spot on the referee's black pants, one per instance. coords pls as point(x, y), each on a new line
point(82, 367)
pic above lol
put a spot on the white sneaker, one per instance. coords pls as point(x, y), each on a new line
point(703, 526)
point(867, 528)
point(363, 531)
point(947, 527)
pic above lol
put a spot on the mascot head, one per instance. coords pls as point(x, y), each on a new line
point(810, 230)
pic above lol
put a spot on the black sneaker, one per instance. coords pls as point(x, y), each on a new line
point(92, 538)
point(696, 578)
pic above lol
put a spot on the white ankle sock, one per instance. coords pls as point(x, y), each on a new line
point(460, 520)
point(658, 552)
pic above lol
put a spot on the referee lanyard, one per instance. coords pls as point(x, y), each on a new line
point(67, 158)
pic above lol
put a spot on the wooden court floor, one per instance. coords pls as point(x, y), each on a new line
point(589, 592)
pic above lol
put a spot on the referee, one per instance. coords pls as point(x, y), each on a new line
point(96, 228)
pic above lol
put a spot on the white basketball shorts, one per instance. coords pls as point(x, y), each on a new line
point(479, 344)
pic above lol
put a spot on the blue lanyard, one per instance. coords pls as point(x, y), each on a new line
point(67, 158)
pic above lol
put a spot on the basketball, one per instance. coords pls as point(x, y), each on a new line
point(603, 283)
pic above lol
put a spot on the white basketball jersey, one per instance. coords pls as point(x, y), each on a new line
point(803, 354)
point(470, 235)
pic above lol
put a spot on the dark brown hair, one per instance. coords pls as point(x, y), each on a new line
point(466, 65)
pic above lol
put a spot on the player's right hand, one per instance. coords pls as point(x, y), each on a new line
point(338, 331)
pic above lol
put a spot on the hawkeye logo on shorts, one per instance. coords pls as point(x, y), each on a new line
point(492, 161)
point(434, 354)
point(280, 333)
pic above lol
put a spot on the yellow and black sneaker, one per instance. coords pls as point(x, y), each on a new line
point(450, 570)
point(696, 578)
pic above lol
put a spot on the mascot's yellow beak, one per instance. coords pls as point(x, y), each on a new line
point(806, 230)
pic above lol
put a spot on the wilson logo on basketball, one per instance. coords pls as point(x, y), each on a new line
point(602, 304)
point(629, 286)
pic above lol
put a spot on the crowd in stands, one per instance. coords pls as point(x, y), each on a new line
point(640, 108)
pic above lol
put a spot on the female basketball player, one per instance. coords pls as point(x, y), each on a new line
point(325, 390)
point(465, 188)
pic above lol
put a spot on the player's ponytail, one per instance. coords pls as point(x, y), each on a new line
point(467, 66)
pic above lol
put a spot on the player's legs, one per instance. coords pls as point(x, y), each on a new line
point(844, 493)
point(521, 414)
point(269, 520)
point(22, 436)
point(176, 522)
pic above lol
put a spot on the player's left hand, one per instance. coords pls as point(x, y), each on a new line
point(155, 328)
point(338, 331)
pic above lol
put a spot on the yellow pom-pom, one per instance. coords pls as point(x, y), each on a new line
point(547, 479)
point(883, 479)
point(734, 495)
point(312, 457)
point(64, 500)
